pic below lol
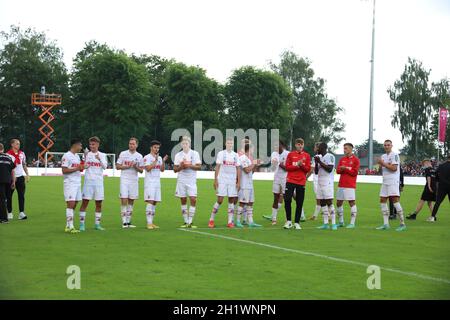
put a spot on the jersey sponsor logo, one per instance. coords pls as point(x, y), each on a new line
point(129, 163)
point(94, 164)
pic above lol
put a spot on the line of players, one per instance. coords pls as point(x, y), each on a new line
point(233, 179)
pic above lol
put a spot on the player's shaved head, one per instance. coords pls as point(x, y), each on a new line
point(323, 147)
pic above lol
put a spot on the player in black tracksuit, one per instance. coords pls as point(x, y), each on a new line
point(429, 190)
point(443, 187)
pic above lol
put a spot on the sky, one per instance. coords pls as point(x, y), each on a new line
point(223, 35)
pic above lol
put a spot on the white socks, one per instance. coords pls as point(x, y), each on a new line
point(340, 212)
point(69, 218)
point(184, 212)
point(123, 213)
point(353, 211)
point(385, 211)
point(317, 210)
point(214, 211)
point(129, 212)
point(250, 214)
point(239, 213)
point(333, 214)
point(150, 213)
point(399, 209)
point(325, 214)
point(275, 212)
point(82, 217)
point(230, 212)
point(98, 218)
point(191, 214)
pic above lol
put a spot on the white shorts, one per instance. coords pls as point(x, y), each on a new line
point(315, 184)
point(226, 190)
point(93, 192)
point(279, 187)
point(129, 190)
point(152, 193)
point(246, 195)
point(325, 192)
point(72, 192)
point(390, 190)
point(184, 190)
point(347, 194)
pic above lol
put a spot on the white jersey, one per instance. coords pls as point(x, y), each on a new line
point(315, 176)
point(246, 178)
point(187, 176)
point(280, 158)
point(94, 167)
point(228, 161)
point(71, 160)
point(127, 158)
point(324, 177)
point(152, 177)
point(18, 170)
point(391, 177)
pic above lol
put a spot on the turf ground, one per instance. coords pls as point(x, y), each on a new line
point(266, 263)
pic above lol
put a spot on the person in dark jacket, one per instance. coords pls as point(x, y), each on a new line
point(7, 181)
point(443, 187)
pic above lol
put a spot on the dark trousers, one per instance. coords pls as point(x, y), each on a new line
point(299, 198)
point(20, 187)
point(3, 190)
point(442, 192)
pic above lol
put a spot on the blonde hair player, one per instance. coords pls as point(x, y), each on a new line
point(186, 163)
point(130, 163)
point(226, 181)
point(390, 166)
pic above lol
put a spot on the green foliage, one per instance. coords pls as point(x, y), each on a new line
point(257, 99)
point(112, 97)
point(315, 117)
point(28, 60)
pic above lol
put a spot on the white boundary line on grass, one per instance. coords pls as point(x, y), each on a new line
point(317, 255)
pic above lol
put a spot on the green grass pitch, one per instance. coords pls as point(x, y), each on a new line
point(266, 263)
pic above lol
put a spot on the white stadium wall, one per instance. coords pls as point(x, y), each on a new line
point(210, 175)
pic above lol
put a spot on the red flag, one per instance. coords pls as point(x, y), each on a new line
point(443, 115)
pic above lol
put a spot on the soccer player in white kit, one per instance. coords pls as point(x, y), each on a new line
point(131, 163)
point(226, 181)
point(71, 169)
point(390, 166)
point(94, 164)
point(278, 159)
point(324, 168)
point(313, 165)
point(186, 164)
point(153, 165)
point(247, 192)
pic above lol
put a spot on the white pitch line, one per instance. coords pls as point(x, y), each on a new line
point(317, 255)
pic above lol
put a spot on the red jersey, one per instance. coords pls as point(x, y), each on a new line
point(297, 174)
point(349, 174)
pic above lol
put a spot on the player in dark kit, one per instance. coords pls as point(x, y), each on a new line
point(443, 187)
point(429, 191)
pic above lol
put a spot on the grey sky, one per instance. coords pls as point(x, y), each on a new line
point(221, 35)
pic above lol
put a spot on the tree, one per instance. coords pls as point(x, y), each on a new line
point(258, 99)
point(28, 61)
point(412, 97)
point(112, 96)
point(190, 95)
point(362, 150)
point(315, 117)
